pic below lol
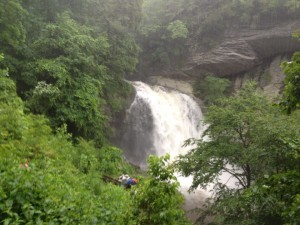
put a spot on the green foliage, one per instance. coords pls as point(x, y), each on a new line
point(164, 44)
point(12, 32)
point(69, 58)
point(218, 16)
point(271, 201)
point(62, 183)
point(162, 36)
point(69, 80)
point(80, 109)
point(177, 29)
point(112, 162)
point(85, 158)
point(3, 72)
point(249, 139)
point(119, 95)
point(11, 120)
point(239, 137)
point(291, 100)
point(157, 200)
point(108, 160)
point(206, 21)
point(158, 11)
point(211, 89)
point(51, 195)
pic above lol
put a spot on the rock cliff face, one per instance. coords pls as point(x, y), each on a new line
point(243, 50)
point(243, 54)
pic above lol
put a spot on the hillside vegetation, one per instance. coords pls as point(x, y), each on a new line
point(170, 29)
point(68, 59)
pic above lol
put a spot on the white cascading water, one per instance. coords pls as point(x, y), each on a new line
point(174, 118)
point(158, 122)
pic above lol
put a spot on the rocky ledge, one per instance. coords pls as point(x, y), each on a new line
point(244, 54)
point(243, 50)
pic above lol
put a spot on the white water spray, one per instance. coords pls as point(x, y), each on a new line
point(158, 122)
point(176, 117)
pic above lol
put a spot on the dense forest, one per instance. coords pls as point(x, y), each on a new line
point(62, 89)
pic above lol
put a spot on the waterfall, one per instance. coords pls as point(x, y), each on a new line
point(158, 122)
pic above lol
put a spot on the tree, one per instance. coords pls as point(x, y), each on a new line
point(211, 89)
point(67, 80)
point(11, 121)
point(157, 200)
point(273, 200)
point(163, 35)
point(177, 29)
point(291, 99)
point(12, 31)
point(3, 72)
point(247, 139)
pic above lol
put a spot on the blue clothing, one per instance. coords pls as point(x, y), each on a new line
point(130, 182)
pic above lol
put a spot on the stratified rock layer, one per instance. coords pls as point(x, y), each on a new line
point(243, 50)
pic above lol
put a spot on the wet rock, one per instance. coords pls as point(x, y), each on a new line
point(180, 85)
